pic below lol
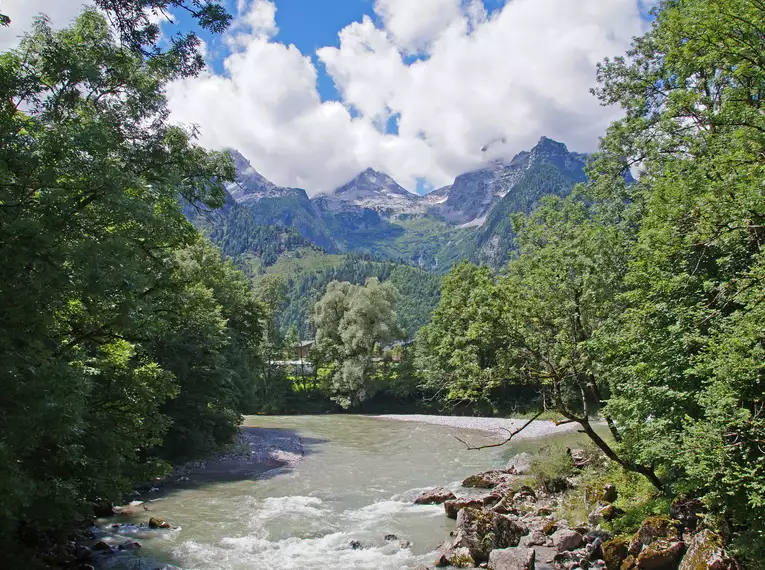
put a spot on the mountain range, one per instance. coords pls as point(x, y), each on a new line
point(266, 228)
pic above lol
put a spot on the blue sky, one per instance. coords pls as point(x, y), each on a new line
point(315, 91)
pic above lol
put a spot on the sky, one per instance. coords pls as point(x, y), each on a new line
point(313, 92)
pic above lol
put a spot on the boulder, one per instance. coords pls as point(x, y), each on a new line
point(661, 554)
point(461, 558)
point(705, 552)
point(567, 539)
point(512, 559)
point(487, 479)
point(434, 496)
point(686, 511)
point(101, 546)
point(604, 512)
point(615, 552)
point(610, 494)
point(482, 530)
point(520, 464)
point(451, 508)
point(441, 562)
point(154, 522)
point(654, 528)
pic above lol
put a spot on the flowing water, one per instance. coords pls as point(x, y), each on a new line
point(356, 482)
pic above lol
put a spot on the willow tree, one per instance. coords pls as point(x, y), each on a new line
point(353, 323)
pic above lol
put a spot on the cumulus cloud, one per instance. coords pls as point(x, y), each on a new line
point(507, 79)
point(22, 12)
point(451, 77)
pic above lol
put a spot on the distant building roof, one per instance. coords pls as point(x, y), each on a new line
point(305, 343)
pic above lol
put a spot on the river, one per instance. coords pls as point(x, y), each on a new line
point(356, 482)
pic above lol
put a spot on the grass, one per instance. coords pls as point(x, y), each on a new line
point(638, 498)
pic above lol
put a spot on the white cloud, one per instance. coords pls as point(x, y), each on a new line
point(522, 73)
point(506, 79)
point(255, 18)
point(22, 12)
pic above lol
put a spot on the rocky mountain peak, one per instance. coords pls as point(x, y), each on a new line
point(371, 182)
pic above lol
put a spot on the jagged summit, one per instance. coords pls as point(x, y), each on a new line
point(475, 193)
point(373, 182)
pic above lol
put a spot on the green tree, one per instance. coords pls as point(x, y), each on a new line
point(352, 324)
point(685, 371)
point(459, 353)
point(110, 305)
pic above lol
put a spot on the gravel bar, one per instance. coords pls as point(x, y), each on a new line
point(494, 426)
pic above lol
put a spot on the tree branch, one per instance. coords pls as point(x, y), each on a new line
point(500, 444)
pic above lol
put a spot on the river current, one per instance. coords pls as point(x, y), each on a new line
point(331, 510)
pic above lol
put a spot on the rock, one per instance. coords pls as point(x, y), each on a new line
point(434, 496)
point(628, 563)
point(451, 508)
point(154, 522)
point(580, 457)
point(404, 544)
point(661, 554)
point(129, 545)
point(390, 537)
point(512, 559)
point(610, 494)
point(482, 530)
point(654, 528)
point(604, 512)
point(83, 553)
point(461, 558)
point(550, 527)
point(441, 562)
point(705, 552)
point(519, 464)
point(355, 545)
point(536, 538)
point(487, 479)
point(544, 512)
point(567, 539)
point(686, 511)
point(103, 509)
point(101, 546)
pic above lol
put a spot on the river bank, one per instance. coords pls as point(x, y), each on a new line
point(343, 495)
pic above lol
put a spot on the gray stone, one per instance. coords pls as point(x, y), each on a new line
point(434, 496)
point(519, 464)
point(567, 539)
point(512, 559)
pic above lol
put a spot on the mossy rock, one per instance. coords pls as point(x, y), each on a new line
point(705, 551)
point(654, 528)
point(615, 552)
point(628, 563)
point(550, 527)
point(661, 554)
point(462, 559)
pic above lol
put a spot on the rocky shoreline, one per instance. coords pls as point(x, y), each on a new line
point(256, 452)
point(514, 526)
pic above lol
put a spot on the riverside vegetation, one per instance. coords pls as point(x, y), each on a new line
point(129, 342)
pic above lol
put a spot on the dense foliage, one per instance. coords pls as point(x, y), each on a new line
point(419, 291)
point(353, 324)
point(126, 339)
point(644, 300)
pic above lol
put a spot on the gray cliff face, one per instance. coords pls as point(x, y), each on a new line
point(251, 186)
point(373, 190)
point(373, 213)
point(474, 194)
